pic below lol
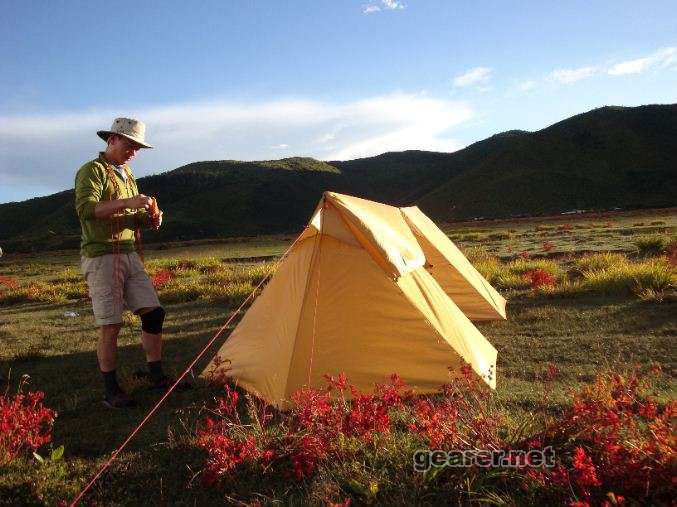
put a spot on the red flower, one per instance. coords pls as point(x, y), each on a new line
point(224, 453)
point(305, 459)
point(228, 404)
point(346, 503)
point(9, 282)
point(25, 424)
point(340, 382)
point(161, 278)
point(648, 410)
point(539, 278)
point(585, 473)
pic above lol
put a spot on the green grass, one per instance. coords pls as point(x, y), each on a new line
point(652, 244)
point(568, 234)
point(596, 322)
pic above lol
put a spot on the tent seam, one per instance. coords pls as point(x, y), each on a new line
point(313, 258)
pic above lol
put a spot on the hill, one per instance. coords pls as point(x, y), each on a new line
point(606, 158)
point(611, 157)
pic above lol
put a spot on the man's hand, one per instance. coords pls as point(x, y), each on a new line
point(138, 202)
point(105, 209)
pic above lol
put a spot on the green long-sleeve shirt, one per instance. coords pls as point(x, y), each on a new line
point(106, 235)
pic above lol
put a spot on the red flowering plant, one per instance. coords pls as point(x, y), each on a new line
point(228, 440)
point(538, 278)
point(7, 284)
point(161, 278)
point(614, 438)
point(614, 442)
point(322, 426)
point(315, 429)
point(25, 424)
point(461, 417)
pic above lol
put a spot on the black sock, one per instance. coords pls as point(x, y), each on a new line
point(155, 370)
point(110, 382)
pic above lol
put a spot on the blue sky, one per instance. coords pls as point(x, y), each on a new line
point(254, 80)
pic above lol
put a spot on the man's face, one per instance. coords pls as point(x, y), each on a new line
point(121, 150)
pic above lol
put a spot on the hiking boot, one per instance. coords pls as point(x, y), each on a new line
point(161, 383)
point(119, 400)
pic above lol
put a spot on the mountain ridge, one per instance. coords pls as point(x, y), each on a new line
point(609, 157)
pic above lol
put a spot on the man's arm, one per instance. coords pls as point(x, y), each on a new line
point(104, 209)
point(89, 184)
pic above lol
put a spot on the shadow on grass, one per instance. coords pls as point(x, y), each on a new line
point(74, 388)
point(633, 314)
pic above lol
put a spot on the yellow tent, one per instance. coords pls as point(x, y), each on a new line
point(367, 289)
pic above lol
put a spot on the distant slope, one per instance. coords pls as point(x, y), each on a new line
point(609, 157)
point(200, 200)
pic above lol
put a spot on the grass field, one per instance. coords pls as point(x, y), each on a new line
point(582, 323)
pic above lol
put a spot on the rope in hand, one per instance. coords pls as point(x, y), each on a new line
point(154, 213)
point(152, 411)
point(117, 225)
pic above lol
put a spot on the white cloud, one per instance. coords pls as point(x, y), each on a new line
point(663, 57)
point(526, 86)
point(326, 138)
point(44, 151)
point(391, 5)
point(630, 67)
point(568, 76)
point(476, 75)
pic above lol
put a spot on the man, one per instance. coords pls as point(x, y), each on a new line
point(110, 209)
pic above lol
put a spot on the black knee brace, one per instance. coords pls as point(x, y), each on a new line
point(151, 322)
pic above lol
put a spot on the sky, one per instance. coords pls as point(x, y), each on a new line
point(334, 80)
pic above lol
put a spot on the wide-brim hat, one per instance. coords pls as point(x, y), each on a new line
point(134, 130)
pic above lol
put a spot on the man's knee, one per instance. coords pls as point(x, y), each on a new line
point(151, 322)
point(109, 331)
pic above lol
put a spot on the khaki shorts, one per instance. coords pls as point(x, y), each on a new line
point(133, 287)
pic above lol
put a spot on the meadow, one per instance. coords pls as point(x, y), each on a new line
point(589, 297)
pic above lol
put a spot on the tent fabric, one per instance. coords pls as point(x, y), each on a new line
point(259, 350)
point(381, 231)
point(452, 270)
point(353, 295)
